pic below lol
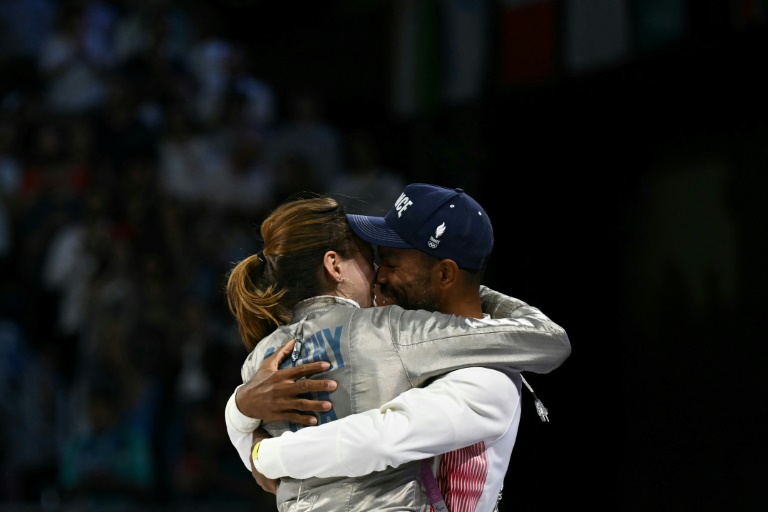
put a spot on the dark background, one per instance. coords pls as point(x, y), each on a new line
point(629, 204)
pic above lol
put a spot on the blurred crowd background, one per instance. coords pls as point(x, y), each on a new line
point(619, 147)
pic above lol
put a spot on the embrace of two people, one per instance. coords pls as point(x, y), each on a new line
point(386, 340)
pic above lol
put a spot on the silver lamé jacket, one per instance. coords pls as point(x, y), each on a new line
point(376, 354)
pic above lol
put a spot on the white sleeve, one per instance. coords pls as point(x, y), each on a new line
point(462, 408)
point(240, 428)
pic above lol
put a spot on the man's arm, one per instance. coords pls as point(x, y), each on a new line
point(273, 394)
point(457, 410)
point(522, 338)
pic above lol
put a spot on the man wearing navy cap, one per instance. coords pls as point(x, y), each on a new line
point(433, 246)
point(442, 222)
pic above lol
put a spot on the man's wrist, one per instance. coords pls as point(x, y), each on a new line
point(237, 419)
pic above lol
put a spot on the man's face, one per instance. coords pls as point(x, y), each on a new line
point(404, 278)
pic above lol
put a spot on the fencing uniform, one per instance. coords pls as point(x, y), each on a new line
point(378, 353)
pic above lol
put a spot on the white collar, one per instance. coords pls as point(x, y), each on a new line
point(334, 297)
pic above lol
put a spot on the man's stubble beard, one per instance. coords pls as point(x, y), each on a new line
point(417, 295)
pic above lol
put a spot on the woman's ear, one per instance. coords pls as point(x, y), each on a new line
point(333, 266)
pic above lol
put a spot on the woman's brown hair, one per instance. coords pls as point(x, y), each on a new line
point(263, 288)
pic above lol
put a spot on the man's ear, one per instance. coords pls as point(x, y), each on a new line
point(332, 265)
point(447, 273)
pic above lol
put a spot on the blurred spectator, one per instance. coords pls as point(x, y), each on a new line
point(73, 258)
point(109, 462)
point(152, 39)
point(114, 304)
point(146, 28)
point(184, 158)
point(99, 19)
point(366, 187)
point(208, 61)
point(306, 136)
point(245, 182)
point(10, 179)
point(258, 97)
point(6, 237)
point(206, 473)
point(29, 403)
point(10, 167)
point(72, 69)
point(193, 384)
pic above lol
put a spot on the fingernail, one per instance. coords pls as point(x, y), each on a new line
point(327, 406)
point(312, 421)
point(331, 384)
point(325, 365)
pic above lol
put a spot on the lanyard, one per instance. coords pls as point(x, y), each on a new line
point(433, 490)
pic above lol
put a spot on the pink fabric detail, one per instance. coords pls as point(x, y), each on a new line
point(461, 475)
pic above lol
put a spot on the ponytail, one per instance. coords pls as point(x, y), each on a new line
point(255, 301)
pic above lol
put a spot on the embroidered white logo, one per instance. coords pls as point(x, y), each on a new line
point(402, 204)
point(433, 240)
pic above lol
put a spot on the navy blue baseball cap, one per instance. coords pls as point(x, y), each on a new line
point(443, 222)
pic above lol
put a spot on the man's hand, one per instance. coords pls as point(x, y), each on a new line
point(272, 394)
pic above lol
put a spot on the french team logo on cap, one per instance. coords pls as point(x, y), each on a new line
point(433, 240)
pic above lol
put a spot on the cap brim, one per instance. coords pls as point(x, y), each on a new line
point(376, 231)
